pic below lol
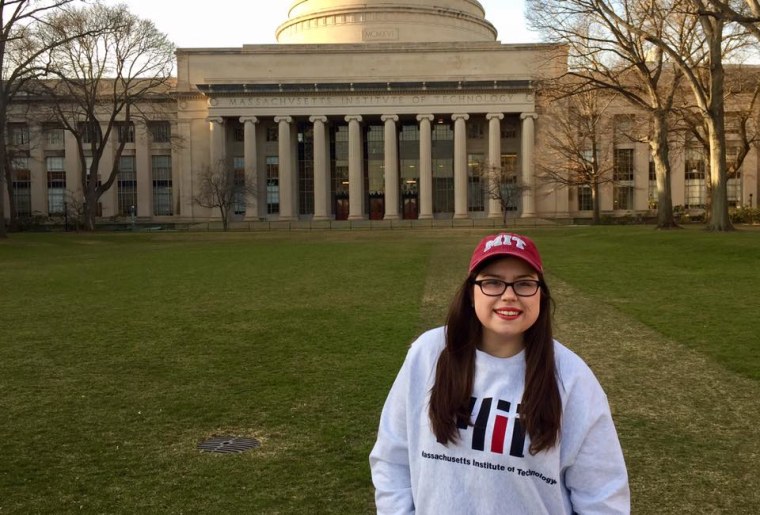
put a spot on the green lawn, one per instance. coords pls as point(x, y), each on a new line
point(120, 352)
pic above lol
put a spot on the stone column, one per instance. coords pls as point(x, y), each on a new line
point(355, 175)
point(216, 143)
point(287, 205)
point(37, 163)
point(144, 170)
point(321, 177)
point(460, 165)
point(426, 167)
point(250, 158)
point(391, 167)
point(182, 164)
point(494, 162)
point(528, 184)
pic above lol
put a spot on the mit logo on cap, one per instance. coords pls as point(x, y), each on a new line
point(506, 244)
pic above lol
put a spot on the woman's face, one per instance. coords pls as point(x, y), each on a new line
point(507, 316)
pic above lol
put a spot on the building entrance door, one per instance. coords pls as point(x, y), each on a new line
point(341, 206)
point(409, 201)
point(376, 206)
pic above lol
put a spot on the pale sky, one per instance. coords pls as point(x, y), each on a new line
point(233, 23)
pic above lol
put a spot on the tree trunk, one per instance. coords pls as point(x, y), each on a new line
point(90, 211)
point(3, 231)
point(719, 219)
point(660, 154)
point(595, 218)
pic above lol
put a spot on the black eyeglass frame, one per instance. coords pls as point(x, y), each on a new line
point(506, 285)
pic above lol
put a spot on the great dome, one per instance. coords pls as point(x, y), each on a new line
point(385, 21)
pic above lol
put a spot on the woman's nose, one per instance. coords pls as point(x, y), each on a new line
point(509, 292)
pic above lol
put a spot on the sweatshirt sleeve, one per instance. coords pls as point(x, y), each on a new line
point(596, 475)
point(389, 459)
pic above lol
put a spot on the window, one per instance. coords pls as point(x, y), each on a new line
point(409, 163)
point(475, 129)
point(585, 200)
point(653, 194)
point(88, 166)
point(510, 192)
point(18, 134)
point(160, 132)
point(125, 132)
point(622, 197)
point(238, 198)
point(339, 170)
point(127, 186)
point(238, 133)
point(273, 184)
point(54, 136)
point(623, 125)
point(305, 164)
point(509, 128)
point(695, 189)
point(694, 194)
point(443, 168)
point(21, 183)
point(734, 182)
point(56, 183)
point(477, 182)
point(89, 131)
point(161, 170)
point(623, 177)
point(623, 164)
point(695, 164)
point(375, 158)
point(273, 133)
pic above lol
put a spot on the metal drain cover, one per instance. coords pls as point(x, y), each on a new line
point(228, 444)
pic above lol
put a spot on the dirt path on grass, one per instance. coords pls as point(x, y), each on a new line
point(690, 429)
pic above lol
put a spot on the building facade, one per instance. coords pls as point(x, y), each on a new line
point(379, 110)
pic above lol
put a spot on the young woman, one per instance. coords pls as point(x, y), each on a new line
point(490, 415)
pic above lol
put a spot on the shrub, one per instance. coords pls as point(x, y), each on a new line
point(745, 215)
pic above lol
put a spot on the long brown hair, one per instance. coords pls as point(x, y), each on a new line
point(541, 407)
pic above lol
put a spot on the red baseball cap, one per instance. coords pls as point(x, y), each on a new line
point(506, 244)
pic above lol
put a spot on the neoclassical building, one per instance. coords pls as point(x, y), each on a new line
point(363, 110)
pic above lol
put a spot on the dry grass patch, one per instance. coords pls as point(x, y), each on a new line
point(688, 427)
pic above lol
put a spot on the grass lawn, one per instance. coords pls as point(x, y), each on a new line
point(120, 352)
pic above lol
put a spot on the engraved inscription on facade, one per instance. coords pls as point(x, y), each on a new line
point(385, 34)
point(375, 100)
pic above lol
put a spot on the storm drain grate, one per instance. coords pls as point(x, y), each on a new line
point(228, 444)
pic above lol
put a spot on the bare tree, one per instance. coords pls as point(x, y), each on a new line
point(703, 70)
point(101, 83)
point(575, 154)
point(605, 54)
point(20, 52)
point(503, 186)
point(223, 187)
point(742, 96)
point(746, 13)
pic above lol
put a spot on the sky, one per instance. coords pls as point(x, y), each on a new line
point(233, 23)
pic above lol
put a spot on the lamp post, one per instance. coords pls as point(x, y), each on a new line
point(132, 214)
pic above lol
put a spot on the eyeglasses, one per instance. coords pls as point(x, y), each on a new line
point(496, 287)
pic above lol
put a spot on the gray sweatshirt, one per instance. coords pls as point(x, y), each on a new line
point(489, 469)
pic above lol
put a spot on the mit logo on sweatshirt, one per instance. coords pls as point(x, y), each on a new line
point(498, 427)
